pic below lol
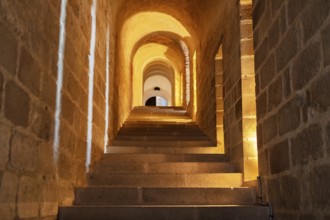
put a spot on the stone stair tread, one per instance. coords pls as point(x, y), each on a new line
point(165, 157)
point(155, 212)
point(203, 180)
point(163, 143)
point(165, 196)
point(161, 138)
point(165, 167)
point(162, 150)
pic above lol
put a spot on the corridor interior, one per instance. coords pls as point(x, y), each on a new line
point(153, 109)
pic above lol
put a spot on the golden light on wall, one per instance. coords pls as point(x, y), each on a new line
point(249, 125)
point(150, 53)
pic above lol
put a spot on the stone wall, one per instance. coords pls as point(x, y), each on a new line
point(292, 44)
point(34, 180)
point(232, 91)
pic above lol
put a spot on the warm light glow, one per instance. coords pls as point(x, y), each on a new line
point(59, 82)
point(107, 85)
point(91, 86)
point(249, 124)
point(185, 50)
point(157, 81)
point(144, 23)
point(219, 100)
point(150, 53)
point(195, 85)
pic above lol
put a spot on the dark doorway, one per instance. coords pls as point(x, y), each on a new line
point(151, 101)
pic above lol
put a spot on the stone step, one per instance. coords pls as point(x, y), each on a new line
point(162, 150)
point(164, 213)
point(162, 132)
point(159, 115)
point(104, 168)
point(148, 137)
point(164, 196)
point(201, 180)
point(163, 143)
point(135, 158)
point(164, 110)
point(155, 124)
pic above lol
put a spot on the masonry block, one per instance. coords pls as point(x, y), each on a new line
point(312, 21)
point(307, 145)
point(288, 117)
point(286, 78)
point(326, 45)
point(274, 192)
point(320, 90)
point(4, 145)
point(68, 109)
point(291, 185)
point(275, 94)
point(23, 154)
point(49, 88)
point(274, 33)
point(288, 47)
point(8, 48)
point(263, 161)
point(267, 72)
point(283, 19)
point(41, 122)
point(8, 195)
point(28, 197)
point(260, 53)
point(319, 178)
point(17, 105)
point(295, 7)
point(279, 150)
point(45, 160)
point(49, 206)
point(258, 12)
point(262, 105)
point(1, 88)
point(269, 129)
point(29, 72)
point(276, 5)
point(307, 66)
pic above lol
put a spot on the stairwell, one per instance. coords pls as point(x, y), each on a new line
point(162, 166)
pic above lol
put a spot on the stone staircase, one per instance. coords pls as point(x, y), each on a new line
point(162, 166)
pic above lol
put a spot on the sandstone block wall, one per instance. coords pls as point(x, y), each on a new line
point(293, 76)
point(31, 185)
point(232, 91)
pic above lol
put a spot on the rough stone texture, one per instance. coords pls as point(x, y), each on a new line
point(23, 155)
point(292, 41)
point(41, 122)
point(29, 44)
point(326, 45)
point(1, 87)
point(8, 48)
point(318, 177)
point(307, 65)
point(307, 145)
point(29, 72)
point(291, 184)
point(4, 146)
point(28, 197)
point(297, 180)
point(279, 157)
point(312, 21)
point(17, 105)
point(319, 91)
point(8, 194)
point(288, 117)
point(275, 94)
